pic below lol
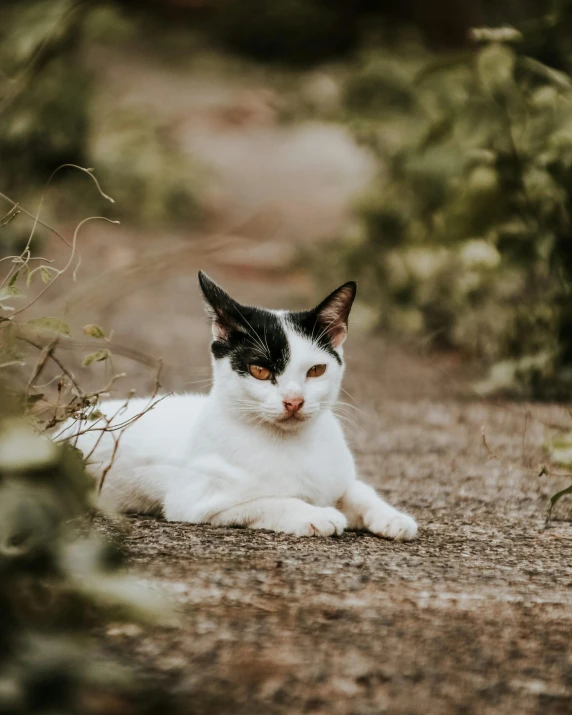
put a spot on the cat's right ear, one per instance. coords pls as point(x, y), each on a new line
point(223, 311)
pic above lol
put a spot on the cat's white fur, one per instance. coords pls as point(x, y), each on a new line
point(227, 458)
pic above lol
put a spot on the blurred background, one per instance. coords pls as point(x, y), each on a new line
point(289, 146)
point(423, 149)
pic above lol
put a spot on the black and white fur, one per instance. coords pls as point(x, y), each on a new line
point(263, 453)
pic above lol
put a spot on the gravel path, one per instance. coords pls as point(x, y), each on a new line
point(473, 617)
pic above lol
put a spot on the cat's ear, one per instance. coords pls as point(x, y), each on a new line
point(223, 310)
point(333, 313)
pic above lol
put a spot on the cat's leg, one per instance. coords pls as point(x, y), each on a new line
point(365, 509)
point(212, 491)
point(287, 515)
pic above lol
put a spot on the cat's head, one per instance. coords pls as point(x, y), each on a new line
point(278, 368)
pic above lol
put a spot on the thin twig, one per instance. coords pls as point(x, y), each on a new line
point(36, 218)
point(58, 362)
point(41, 362)
point(120, 435)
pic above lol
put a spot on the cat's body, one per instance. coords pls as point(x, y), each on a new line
point(264, 449)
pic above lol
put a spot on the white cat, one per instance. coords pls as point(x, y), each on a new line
point(264, 448)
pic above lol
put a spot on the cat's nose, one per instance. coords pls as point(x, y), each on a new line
point(294, 404)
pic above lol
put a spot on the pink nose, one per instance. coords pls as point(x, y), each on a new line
point(293, 404)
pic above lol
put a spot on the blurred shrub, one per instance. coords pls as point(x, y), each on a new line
point(44, 89)
point(465, 236)
point(47, 115)
point(55, 584)
point(149, 178)
point(546, 27)
point(57, 579)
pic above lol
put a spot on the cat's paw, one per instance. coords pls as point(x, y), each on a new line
point(393, 525)
point(316, 521)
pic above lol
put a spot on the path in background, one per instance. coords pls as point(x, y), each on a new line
point(475, 616)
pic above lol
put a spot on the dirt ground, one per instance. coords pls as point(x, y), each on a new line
point(475, 616)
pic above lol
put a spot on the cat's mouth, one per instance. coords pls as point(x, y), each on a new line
point(292, 419)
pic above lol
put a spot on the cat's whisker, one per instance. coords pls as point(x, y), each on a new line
point(266, 342)
point(237, 445)
point(347, 415)
point(253, 330)
point(351, 407)
point(259, 348)
point(342, 410)
point(325, 330)
point(354, 426)
point(206, 380)
point(348, 394)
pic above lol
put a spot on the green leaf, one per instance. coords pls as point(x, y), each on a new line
point(98, 356)
point(94, 330)
point(10, 291)
point(47, 274)
point(54, 325)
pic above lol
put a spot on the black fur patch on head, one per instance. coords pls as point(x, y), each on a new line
point(247, 335)
point(327, 324)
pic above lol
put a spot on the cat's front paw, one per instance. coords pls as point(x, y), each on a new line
point(393, 525)
point(316, 521)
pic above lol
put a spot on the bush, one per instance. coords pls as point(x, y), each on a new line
point(56, 583)
point(465, 235)
point(39, 45)
point(57, 578)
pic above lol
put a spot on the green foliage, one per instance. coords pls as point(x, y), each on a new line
point(38, 57)
point(55, 582)
point(51, 325)
point(465, 235)
point(57, 579)
point(48, 117)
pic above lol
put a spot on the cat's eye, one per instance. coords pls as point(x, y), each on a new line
point(260, 373)
point(316, 371)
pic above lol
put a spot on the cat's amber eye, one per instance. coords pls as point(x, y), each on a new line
point(260, 373)
point(316, 371)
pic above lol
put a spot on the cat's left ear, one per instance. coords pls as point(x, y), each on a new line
point(223, 310)
point(334, 311)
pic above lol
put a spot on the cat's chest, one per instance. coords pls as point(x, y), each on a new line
point(316, 466)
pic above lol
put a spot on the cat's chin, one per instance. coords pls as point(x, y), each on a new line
point(291, 423)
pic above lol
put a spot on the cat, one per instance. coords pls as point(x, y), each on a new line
point(264, 449)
